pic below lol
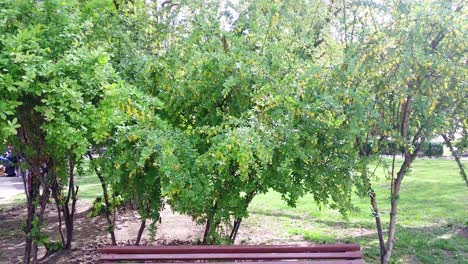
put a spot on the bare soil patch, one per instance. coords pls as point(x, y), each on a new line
point(462, 231)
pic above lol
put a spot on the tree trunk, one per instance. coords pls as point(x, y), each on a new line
point(44, 200)
point(59, 214)
point(30, 196)
point(209, 223)
point(457, 158)
point(235, 229)
point(394, 203)
point(238, 221)
point(207, 230)
point(69, 213)
point(140, 232)
point(378, 223)
point(396, 182)
point(31, 247)
point(106, 201)
point(28, 246)
point(34, 253)
point(71, 219)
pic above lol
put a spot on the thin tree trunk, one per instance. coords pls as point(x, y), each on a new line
point(235, 229)
point(59, 214)
point(140, 232)
point(34, 192)
point(238, 220)
point(34, 253)
point(396, 182)
point(378, 223)
point(69, 213)
point(457, 158)
point(106, 201)
point(28, 246)
point(391, 227)
point(207, 230)
point(30, 195)
point(209, 220)
point(394, 203)
point(44, 199)
point(71, 219)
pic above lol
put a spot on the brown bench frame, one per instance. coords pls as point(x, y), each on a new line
point(327, 253)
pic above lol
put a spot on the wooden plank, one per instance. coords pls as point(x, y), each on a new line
point(237, 256)
point(228, 249)
point(349, 261)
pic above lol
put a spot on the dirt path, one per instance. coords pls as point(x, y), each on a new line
point(9, 188)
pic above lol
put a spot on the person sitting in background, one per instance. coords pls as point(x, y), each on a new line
point(4, 160)
point(10, 162)
point(3, 163)
point(2, 171)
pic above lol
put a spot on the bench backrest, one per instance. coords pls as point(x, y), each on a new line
point(336, 253)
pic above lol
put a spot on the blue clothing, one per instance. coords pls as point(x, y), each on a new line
point(4, 161)
point(9, 162)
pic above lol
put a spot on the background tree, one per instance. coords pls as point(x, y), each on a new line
point(53, 87)
point(411, 67)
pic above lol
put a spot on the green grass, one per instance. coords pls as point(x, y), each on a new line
point(90, 187)
point(433, 207)
point(17, 199)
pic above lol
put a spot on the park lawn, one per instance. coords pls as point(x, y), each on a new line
point(90, 187)
point(431, 225)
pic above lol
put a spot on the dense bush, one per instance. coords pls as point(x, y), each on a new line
point(433, 149)
point(430, 149)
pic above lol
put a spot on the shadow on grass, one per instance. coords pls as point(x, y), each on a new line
point(337, 224)
point(279, 214)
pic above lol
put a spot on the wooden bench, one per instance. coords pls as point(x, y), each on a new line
point(333, 253)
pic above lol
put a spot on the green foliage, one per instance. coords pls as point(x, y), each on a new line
point(433, 149)
point(53, 246)
point(58, 95)
point(97, 208)
point(254, 107)
point(430, 149)
point(206, 104)
point(423, 60)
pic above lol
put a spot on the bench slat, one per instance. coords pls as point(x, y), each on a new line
point(236, 256)
point(348, 261)
point(228, 249)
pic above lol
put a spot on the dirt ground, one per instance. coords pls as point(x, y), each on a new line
point(90, 233)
